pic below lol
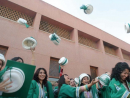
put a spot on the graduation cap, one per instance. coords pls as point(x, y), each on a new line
point(23, 22)
point(87, 8)
point(82, 76)
point(21, 76)
point(55, 38)
point(127, 27)
point(104, 79)
point(63, 61)
point(29, 42)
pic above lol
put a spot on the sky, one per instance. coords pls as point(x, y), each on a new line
point(108, 15)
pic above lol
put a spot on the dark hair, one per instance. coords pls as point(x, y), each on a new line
point(71, 79)
point(57, 81)
point(118, 69)
point(89, 78)
point(35, 77)
point(2, 65)
point(61, 81)
point(17, 58)
point(90, 81)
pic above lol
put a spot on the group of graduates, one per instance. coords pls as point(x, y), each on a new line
point(40, 87)
point(117, 87)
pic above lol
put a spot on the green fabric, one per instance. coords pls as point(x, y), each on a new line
point(56, 87)
point(28, 71)
point(66, 91)
point(34, 90)
point(83, 7)
point(7, 97)
point(27, 26)
point(93, 90)
point(59, 68)
point(105, 79)
point(129, 24)
point(54, 38)
point(104, 92)
point(117, 89)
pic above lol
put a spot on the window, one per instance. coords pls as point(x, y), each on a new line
point(54, 68)
point(87, 40)
point(51, 26)
point(111, 49)
point(126, 54)
point(94, 71)
point(3, 50)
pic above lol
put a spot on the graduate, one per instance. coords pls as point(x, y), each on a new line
point(72, 82)
point(86, 79)
point(40, 87)
point(120, 83)
point(66, 91)
point(4, 84)
point(56, 85)
point(55, 91)
point(102, 85)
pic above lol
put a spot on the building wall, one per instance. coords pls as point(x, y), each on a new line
point(80, 56)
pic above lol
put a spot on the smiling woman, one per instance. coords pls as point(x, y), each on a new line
point(40, 87)
point(120, 82)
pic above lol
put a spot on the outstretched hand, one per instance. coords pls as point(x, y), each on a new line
point(61, 66)
point(94, 82)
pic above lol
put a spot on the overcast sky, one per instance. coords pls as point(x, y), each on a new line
point(108, 15)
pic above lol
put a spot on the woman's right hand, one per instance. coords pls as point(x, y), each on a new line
point(94, 82)
point(4, 85)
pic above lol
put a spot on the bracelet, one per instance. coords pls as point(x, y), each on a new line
point(86, 87)
point(83, 88)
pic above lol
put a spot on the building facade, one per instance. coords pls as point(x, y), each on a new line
point(88, 49)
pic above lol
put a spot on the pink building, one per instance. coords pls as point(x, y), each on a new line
point(88, 49)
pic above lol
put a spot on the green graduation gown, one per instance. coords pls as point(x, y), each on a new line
point(93, 91)
point(66, 91)
point(34, 90)
point(56, 88)
point(104, 92)
point(118, 89)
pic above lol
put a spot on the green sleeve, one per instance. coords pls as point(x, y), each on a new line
point(66, 91)
point(33, 90)
point(50, 90)
point(117, 91)
point(94, 91)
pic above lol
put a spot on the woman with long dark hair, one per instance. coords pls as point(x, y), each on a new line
point(120, 82)
point(40, 87)
point(66, 91)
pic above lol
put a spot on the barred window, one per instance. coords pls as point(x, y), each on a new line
point(94, 72)
point(15, 15)
point(54, 68)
